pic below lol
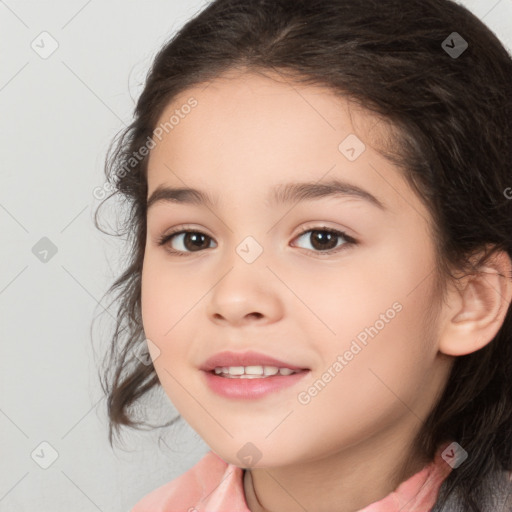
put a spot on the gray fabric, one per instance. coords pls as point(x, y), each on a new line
point(499, 499)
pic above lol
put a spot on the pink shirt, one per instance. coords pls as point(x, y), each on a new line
point(213, 485)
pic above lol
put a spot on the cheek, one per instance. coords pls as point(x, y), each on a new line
point(163, 303)
point(166, 300)
point(167, 296)
point(377, 314)
point(378, 383)
point(366, 288)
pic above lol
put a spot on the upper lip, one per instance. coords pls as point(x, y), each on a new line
point(250, 358)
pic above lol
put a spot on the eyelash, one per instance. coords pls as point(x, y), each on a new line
point(348, 240)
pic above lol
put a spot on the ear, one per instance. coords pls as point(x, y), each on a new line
point(475, 311)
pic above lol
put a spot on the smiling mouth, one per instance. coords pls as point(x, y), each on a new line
point(252, 381)
point(252, 372)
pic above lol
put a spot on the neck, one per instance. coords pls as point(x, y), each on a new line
point(345, 481)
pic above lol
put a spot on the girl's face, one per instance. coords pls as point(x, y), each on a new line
point(261, 274)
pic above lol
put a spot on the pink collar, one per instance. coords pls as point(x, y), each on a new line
point(214, 485)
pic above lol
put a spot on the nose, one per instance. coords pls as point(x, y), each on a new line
point(245, 294)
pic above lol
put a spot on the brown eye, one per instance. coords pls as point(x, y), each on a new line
point(325, 239)
point(181, 243)
point(186, 241)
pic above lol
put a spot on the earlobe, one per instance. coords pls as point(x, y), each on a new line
point(476, 310)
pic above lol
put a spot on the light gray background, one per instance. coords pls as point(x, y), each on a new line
point(57, 116)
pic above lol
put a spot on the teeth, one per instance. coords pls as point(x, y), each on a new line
point(236, 370)
point(251, 372)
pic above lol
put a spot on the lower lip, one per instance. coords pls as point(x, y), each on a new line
point(251, 388)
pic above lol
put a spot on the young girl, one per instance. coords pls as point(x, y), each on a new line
point(321, 228)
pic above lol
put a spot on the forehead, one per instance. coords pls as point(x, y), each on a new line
point(248, 133)
point(271, 105)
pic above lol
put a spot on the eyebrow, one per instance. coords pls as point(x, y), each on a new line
point(281, 194)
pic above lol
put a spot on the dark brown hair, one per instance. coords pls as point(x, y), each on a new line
point(452, 115)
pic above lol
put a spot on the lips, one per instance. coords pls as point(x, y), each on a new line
point(249, 358)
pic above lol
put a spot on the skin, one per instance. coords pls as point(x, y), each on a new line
point(351, 444)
